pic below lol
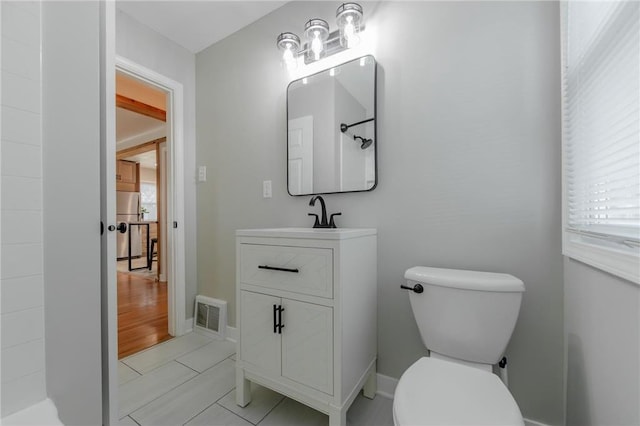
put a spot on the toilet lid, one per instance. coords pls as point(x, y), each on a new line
point(437, 392)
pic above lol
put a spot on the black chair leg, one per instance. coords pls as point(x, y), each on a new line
point(151, 253)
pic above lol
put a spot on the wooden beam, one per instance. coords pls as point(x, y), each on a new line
point(139, 149)
point(140, 108)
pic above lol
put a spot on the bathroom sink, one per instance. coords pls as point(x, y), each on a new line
point(319, 233)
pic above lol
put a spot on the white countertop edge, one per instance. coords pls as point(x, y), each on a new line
point(310, 233)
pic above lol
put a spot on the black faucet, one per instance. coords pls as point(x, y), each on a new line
point(323, 222)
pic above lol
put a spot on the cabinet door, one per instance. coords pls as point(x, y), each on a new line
point(259, 345)
point(307, 344)
point(126, 171)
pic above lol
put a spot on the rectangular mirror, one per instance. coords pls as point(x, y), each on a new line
point(331, 130)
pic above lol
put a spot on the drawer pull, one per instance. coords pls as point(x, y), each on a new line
point(275, 268)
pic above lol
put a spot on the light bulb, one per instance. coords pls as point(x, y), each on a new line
point(288, 58)
point(349, 31)
point(316, 45)
point(316, 31)
point(349, 20)
point(289, 44)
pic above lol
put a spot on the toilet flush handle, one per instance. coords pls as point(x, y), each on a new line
point(416, 288)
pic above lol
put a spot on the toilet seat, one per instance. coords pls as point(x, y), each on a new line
point(437, 392)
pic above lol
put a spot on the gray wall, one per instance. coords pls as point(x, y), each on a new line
point(469, 164)
point(71, 205)
point(602, 325)
point(146, 47)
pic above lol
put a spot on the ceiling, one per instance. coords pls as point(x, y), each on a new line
point(134, 129)
point(196, 25)
point(146, 159)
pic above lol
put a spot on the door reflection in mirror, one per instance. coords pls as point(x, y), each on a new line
point(331, 130)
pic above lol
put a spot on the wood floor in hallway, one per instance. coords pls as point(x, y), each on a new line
point(142, 313)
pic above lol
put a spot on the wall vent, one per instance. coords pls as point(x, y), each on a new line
point(210, 316)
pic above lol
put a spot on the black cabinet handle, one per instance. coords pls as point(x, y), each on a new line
point(275, 324)
point(275, 268)
point(280, 324)
point(416, 288)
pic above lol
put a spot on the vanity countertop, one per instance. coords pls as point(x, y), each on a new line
point(310, 233)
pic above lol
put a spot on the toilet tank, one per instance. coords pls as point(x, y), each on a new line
point(467, 315)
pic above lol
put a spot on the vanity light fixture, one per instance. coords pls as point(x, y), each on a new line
point(316, 32)
point(319, 41)
point(348, 17)
point(289, 44)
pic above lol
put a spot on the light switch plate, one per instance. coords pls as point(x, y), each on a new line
point(202, 174)
point(266, 189)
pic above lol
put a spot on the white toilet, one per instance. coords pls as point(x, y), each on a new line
point(465, 319)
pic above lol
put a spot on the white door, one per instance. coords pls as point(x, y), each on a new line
point(300, 140)
point(259, 339)
point(307, 344)
point(77, 94)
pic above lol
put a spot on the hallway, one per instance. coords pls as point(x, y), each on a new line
point(142, 313)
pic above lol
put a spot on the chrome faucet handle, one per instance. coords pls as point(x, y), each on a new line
point(332, 223)
point(316, 224)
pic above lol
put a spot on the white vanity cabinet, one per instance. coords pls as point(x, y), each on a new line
point(306, 316)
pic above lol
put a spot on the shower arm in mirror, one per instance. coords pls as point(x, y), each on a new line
point(365, 142)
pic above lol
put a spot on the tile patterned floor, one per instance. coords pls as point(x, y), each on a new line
point(190, 380)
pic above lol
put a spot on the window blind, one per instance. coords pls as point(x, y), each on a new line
point(601, 101)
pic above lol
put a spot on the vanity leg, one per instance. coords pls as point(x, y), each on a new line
point(338, 417)
point(243, 389)
point(371, 385)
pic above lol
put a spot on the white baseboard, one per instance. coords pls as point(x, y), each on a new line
point(528, 422)
point(232, 334)
point(386, 386)
point(187, 325)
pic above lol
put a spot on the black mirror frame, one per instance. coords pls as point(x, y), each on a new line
point(375, 128)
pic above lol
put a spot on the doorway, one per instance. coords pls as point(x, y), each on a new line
point(150, 292)
point(142, 289)
point(141, 132)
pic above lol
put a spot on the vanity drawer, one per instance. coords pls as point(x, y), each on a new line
point(302, 270)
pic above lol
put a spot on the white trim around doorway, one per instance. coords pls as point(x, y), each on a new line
point(175, 189)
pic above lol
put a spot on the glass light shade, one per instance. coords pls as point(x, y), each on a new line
point(289, 44)
point(316, 32)
point(349, 20)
